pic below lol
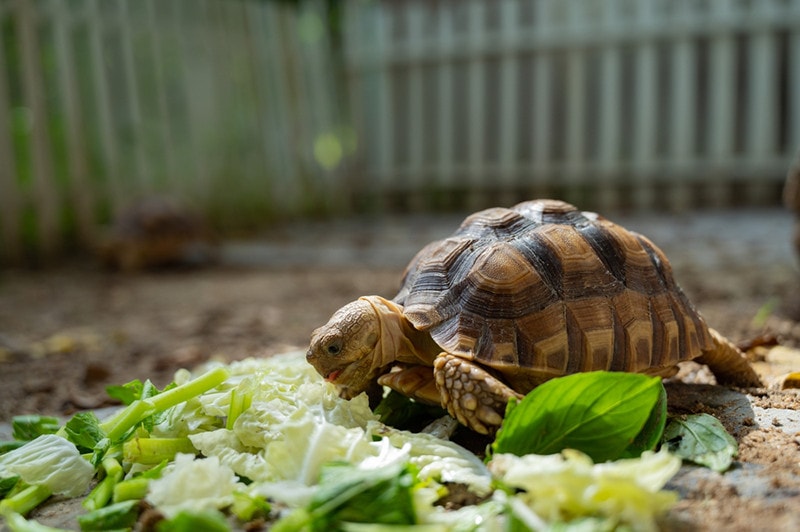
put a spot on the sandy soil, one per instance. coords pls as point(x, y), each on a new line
point(68, 332)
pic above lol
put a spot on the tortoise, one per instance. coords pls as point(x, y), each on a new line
point(516, 297)
point(156, 232)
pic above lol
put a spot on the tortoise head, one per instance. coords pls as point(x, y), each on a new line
point(344, 350)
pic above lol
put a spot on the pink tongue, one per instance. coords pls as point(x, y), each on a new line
point(332, 375)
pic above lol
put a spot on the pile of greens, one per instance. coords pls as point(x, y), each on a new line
point(269, 440)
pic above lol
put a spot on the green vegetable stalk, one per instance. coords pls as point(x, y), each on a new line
point(104, 490)
point(26, 500)
point(113, 517)
point(116, 427)
point(155, 450)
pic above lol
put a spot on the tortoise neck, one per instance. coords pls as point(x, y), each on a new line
point(399, 340)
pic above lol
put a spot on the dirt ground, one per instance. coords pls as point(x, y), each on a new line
point(67, 332)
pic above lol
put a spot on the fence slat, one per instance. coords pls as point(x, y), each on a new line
point(109, 149)
point(33, 97)
point(761, 123)
point(445, 159)
point(476, 104)
point(682, 111)
point(645, 110)
point(416, 133)
point(81, 193)
point(721, 108)
point(608, 129)
point(10, 204)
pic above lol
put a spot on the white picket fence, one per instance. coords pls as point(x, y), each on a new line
point(247, 109)
point(670, 103)
point(217, 102)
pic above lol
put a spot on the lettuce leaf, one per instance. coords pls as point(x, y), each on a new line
point(49, 461)
point(562, 487)
point(193, 485)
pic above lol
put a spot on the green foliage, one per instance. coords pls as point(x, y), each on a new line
point(113, 517)
point(208, 520)
point(347, 494)
point(701, 438)
point(83, 429)
point(599, 413)
point(399, 411)
point(30, 427)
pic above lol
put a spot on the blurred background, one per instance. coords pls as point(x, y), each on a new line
point(258, 112)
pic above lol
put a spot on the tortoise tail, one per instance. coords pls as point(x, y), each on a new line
point(728, 363)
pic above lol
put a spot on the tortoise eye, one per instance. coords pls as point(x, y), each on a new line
point(334, 348)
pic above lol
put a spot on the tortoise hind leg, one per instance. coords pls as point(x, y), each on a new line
point(471, 394)
point(728, 363)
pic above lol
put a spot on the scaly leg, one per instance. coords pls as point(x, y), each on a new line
point(471, 394)
point(415, 382)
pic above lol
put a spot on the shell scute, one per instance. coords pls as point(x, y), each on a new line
point(543, 289)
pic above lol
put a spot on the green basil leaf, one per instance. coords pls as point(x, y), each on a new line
point(650, 435)
point(701, 438)
point(598, 413)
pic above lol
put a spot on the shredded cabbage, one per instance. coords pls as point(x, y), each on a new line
point(194, 485)
point(49, 461)
point(565, 486)
point(296, 424)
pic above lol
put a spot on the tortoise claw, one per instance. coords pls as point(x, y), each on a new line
point(471, 394)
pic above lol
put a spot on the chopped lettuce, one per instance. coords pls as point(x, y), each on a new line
point(193, 485)
point(267, 434)
point(348, 494)
point(562, 487)
point(49, 461)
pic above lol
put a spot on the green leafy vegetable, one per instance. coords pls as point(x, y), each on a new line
point(241, 398)
point(83, 429)
point(701, 438)
point(193, 485)
point(112, 517)
point(347, 494)
point(127, 419)
point(30, 427)
point(17, 523)
point(126, 393)
point(10, 445)
point(562, 487)
point(132, 489)
point(151, 451)
point(7, 484)
point(398, 410)
point(25, 500)
point(205, 520)
point(599, 413)
point(247, 507)
point(650, 435)
point(49, 461)
point(104, 490)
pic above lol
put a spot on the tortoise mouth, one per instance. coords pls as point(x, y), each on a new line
point(353, 379)
point(333, 375)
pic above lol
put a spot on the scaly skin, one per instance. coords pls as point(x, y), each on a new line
point(365, 338)
point(471, 394)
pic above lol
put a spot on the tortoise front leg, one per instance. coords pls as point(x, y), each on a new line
point(416, 382)
point(471, 394)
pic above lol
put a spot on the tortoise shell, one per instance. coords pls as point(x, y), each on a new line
point(542, 290)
